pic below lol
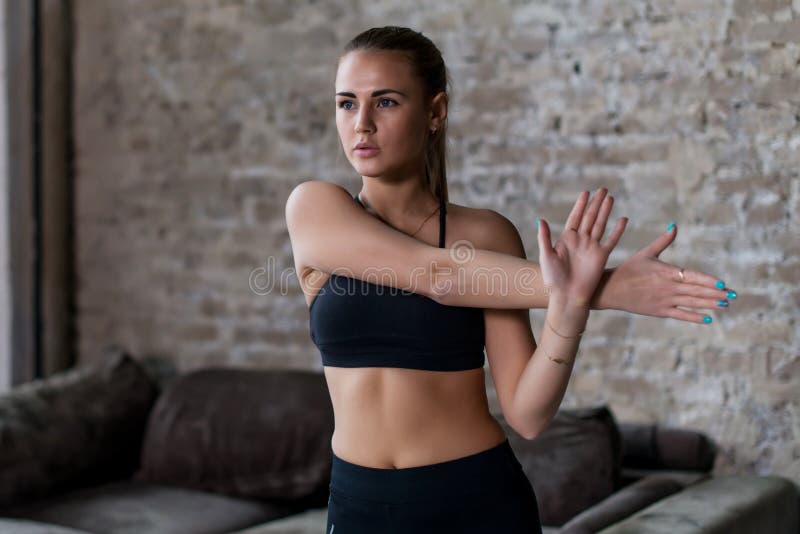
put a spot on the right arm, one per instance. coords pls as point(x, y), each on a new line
point(329, 232)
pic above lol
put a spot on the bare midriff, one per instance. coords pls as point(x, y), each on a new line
point(392, 418)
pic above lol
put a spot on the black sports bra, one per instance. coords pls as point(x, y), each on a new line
point(355, 323)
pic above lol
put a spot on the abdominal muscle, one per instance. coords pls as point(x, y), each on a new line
point(392, 418)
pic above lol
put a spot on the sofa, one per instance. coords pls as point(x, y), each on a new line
point(129, 445)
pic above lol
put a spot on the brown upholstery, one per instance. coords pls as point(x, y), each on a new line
point(622, 503)
point(74, 429)
point(139, 508)
point(659, 447)
point(573, 464)
point(242, 432)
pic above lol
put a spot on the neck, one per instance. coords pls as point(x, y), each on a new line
point(403, 203)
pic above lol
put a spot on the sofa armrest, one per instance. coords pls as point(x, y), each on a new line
point(76, 428)
point(622, 504)
point(650, 446)
point(726, 504)
point(684, 478)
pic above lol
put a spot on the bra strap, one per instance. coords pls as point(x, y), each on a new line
point(442, 219)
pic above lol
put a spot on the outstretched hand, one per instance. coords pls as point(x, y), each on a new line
point(572, 268)
point(645, 285)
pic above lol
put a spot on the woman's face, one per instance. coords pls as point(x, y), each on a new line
point(385, 107)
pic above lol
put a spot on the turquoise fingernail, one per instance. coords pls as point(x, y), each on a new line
point(722, 303)
point(537, 222)
point(706, 319)
point(720, 284)
point(671, 226)
point(731, 294)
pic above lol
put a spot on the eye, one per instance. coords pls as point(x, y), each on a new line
point(343, 102)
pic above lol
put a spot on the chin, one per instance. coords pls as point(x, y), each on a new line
point(369, 169)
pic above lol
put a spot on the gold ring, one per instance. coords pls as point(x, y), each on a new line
point(680, 273)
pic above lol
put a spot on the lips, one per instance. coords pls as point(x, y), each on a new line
point(365, 146)
point(365, 150)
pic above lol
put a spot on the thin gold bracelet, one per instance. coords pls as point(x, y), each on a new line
point(557, 360)
point(562, 335)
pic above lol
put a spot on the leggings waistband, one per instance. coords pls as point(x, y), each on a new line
point(489, 470)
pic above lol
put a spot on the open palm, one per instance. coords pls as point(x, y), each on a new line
point(573, 266)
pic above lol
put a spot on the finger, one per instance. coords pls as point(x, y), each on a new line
point(694, 290)
point(544, 239)
point(591, 212)
point(660, 243)
point(689, 316)
point(700, 303)
point(574, 219)
point(699, 278)
point(612, 240)
point(600, 225)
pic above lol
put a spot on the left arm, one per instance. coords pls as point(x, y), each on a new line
point(571, 270)
point(529, 386)
point(509, 339)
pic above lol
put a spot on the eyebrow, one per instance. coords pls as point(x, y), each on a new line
point(379, 92)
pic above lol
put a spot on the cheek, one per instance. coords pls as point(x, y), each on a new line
point(407, 132)
point(339, 124)
point(345, 133)
point(408, 123)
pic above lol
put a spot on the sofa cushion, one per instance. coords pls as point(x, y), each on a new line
point(311, 521)
point(138, 508)
point(73, 429)
point(242, 432)
point(573, 464)
point(725, 504)
point(23, 526)
point(622, 503)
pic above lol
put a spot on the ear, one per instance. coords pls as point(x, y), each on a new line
point(438, 110)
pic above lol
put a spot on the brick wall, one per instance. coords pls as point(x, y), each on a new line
point(194, 120)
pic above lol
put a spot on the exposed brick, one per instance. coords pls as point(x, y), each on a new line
point(197, 332)
point(720, 214)
point(186, 151)
point(751, 8)
point(778, 32)
point(769, 214)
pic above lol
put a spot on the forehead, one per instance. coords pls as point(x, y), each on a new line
point(363, 71)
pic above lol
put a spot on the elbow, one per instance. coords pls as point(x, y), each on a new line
point(530, 429)
point(539, 428)
point(529, 434)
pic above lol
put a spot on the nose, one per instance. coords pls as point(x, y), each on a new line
point(363, 121)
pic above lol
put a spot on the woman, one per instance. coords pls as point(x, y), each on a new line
point(415, 448)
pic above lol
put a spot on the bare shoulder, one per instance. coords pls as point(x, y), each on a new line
point(487, 229)
point(330, 233)
point(316, 193)
point(312, 197)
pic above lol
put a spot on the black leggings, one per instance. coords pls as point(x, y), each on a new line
point(486, 492)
